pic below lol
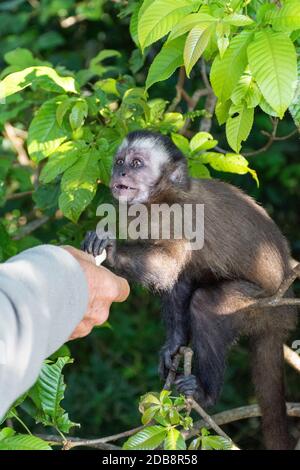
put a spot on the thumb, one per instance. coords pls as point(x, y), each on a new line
point(123, 289)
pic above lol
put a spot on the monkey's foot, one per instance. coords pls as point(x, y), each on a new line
point(95, 245)
point(187, 384)
point(167, 354)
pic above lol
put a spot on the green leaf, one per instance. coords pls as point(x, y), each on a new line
point(238, 20)
point(19, 59)
point(266, 108)
point(46, 198)
point(6, 432)
point(105, 160)
point(239, 125)
point(222, 111)
point(47, 394)
point(79, 184)
point(189, 22)
point(172, 122)
point(273, 63)
point(182, 143)
point(174, 416)
point(159, 18)
point(149, 414)
point(147, 439)
point(23, 442)
point(195, 444)
point(149, 399)
point(246, 90)
point(8, 246)
point(45, 135)
point(44, 76)
point(64, 157)
point(164, 397)
point(195, 45)
point(133, 27)
point(174, 440)
point(286, 18)
point(96, 66)
point(198, 170)
point(166, 61)
point(215, 443)
point(51, 386)
point(294, 108)
point(222, 35)
point(229, 163)
point(78, 114)
point(226, 72)
point(202, 141)
point(63, 107)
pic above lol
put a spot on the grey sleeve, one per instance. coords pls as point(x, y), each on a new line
point(43, 296)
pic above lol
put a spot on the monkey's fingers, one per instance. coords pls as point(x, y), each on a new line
point(88, 240)
point(99, 246)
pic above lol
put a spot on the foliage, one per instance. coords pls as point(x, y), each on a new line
point(75, 77)
point(162, 415)
point(43, 404)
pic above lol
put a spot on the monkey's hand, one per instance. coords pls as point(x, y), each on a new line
point(167, 354)
point(94, 244)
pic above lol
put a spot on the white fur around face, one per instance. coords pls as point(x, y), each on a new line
point(157, 153)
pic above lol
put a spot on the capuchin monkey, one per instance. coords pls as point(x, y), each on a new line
point(244, 257)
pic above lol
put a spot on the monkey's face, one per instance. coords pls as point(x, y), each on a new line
point(137, 169)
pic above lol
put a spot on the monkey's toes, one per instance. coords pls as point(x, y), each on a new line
point(187, 384)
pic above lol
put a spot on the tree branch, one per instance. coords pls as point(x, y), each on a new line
point(187, 357)
point(179, 90)
point(14, 196)
point(210, 103)
point(16, 138)
point(76, 442)
point(276, 300)
point(272, 138)
point(236, 414)
point(31, 227)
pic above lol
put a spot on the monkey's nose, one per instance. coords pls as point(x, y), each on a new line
point(123, 174)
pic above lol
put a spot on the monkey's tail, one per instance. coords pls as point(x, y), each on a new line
point(268, 378)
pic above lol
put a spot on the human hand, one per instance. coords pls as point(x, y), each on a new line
point(104, 288)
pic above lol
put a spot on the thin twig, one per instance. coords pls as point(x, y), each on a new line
point(204, 74)
point(236, 414)
point(17, 140)
point(77, 441)
point(264, 148)
point(179, 90)
point(187, 362)
point(14, 196)
point(191, 403)
point(206, 122)
point(31, 227)
point(210, 103)
point(287, 136)
point(71, 20)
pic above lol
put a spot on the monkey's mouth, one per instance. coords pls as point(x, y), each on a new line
point(123, 187)
point(123, 191)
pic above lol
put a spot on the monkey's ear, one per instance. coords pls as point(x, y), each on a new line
point(178, 173)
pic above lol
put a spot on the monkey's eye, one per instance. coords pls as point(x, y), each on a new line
point(120, 161)
point(136, 162)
